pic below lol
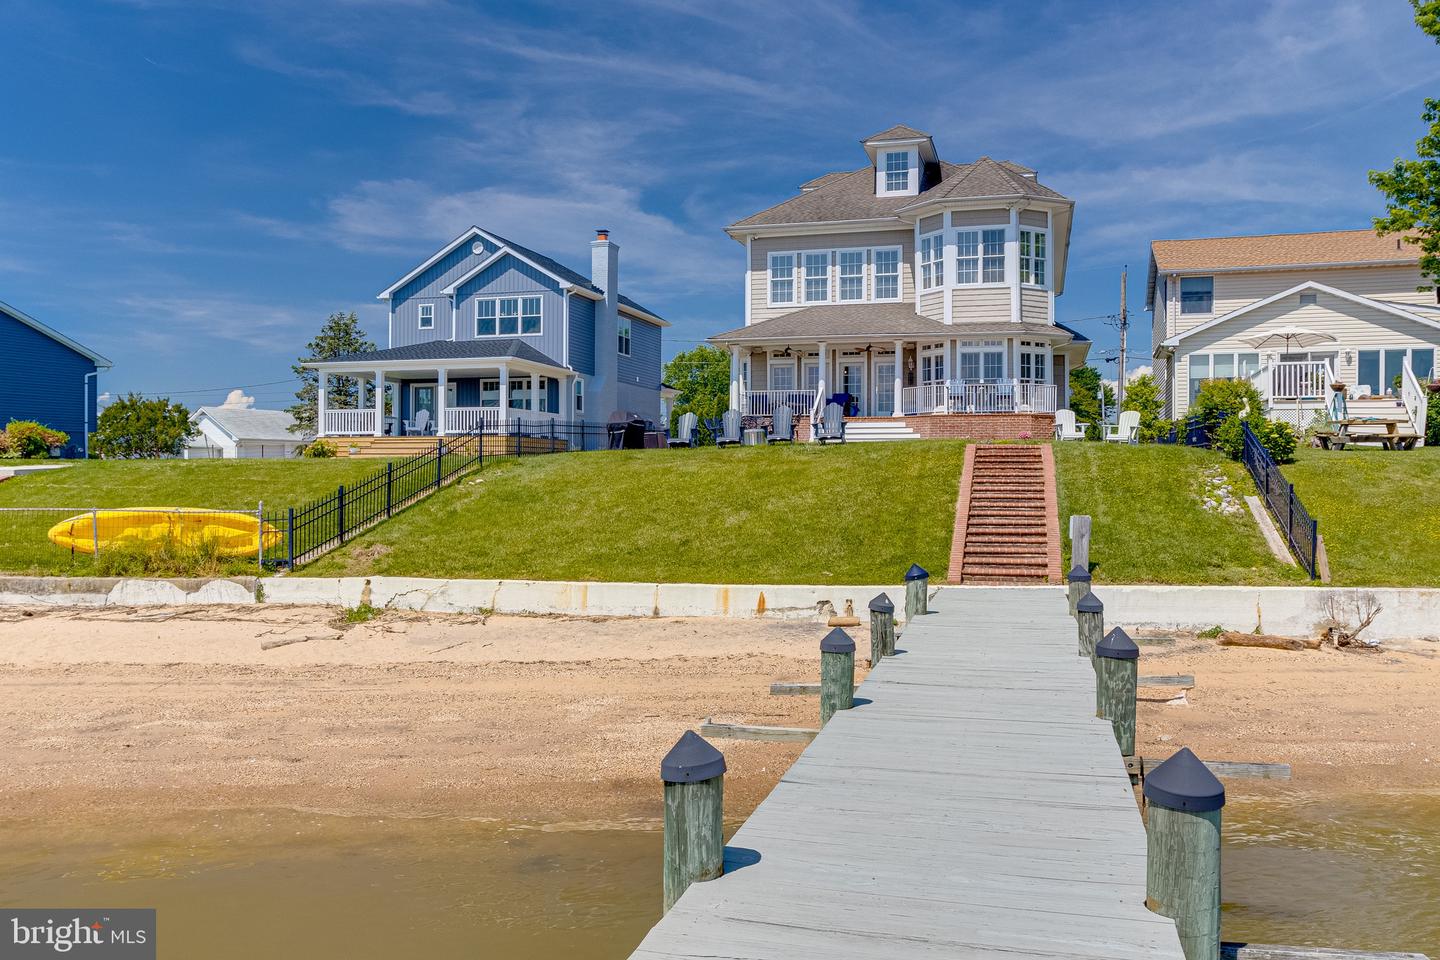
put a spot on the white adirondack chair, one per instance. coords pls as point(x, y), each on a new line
point(420, 425)
point(1126, 430)
point(1065, 426)
point(684, 431)
point(832, 424)
point(782, 425)
point(729, 429)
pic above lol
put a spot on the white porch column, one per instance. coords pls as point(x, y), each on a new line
point(1012, 263)
point(324, 386)
point(379, 403)
point(442, 380)
point(734, 376)
point(504, 394)
point(822, 387)
point(899, 378)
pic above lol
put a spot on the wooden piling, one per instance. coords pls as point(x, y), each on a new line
point(694, 776)
point(882, 626)
point(1182, 875)
point(1116, 660)
point(1079, 579)
point(917, 592)
point(837, 674)
point(1090, 617)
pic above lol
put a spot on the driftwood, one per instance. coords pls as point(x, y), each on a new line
point(1232, 639)
point(282, 642)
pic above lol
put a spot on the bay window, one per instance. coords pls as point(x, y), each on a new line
point(932, 261)
point(1032, 257)
point(967, 257)
point(992, 263)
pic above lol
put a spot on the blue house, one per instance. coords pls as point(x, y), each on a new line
point(47, 377)
point(486, 332)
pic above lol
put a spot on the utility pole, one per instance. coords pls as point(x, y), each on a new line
point(1124, 327)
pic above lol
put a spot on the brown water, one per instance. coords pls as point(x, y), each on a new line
point(1350, 873)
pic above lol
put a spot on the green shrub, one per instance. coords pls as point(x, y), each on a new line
point(320, 449)
point(1432, 417)
point(1224, 405)
point(1228, 438)
point(29, 440)
point(1218, 400)
point(1279, 439)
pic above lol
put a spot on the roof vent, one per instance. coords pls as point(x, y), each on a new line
point(1307, 299)
point(477, 248)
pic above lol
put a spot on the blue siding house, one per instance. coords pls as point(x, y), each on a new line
point(486, 331)
point(47, 377)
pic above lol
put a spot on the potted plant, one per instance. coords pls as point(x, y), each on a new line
point(1337, 386)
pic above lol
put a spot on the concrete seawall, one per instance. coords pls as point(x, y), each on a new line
point(1405, 613)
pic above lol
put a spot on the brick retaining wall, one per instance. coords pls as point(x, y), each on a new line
point(962, 426)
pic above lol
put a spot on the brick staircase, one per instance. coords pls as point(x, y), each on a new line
point(1007, 527)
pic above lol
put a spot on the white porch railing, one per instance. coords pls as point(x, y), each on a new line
point(349, 423)
point(465, 419)
point(1299, 380)
point(762, 403)
point(1004, 396)
point(1412, 396)
point(926, 398)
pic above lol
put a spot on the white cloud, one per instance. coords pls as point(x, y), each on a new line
point(237, 398)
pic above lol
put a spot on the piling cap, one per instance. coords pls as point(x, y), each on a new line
point(1090, 604)
point(691, 760)
point(1184, 783)
point(837, 641)
point(916, 572)
point(1117, 645)
point(1078, 574)
point(882, 604)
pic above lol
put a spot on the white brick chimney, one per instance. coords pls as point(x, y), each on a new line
point(605, 274)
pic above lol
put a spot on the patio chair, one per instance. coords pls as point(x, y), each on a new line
point(1065, 426)
point(729, 434)
point(782, 426)
point(420, 426)
point(712, 427)
point(1126, 430)
point(684, 431)
point(832, 424)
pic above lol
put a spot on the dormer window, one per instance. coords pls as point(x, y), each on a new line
point(897, 171)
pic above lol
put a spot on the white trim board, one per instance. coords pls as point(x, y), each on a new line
point(1307, 285)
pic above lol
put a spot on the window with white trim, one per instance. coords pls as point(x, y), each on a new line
point(1033, 255)
point(782, 374)
point(427, 316)
point(782, 278)
point(992, 255)
point(932, 363)
point(982, 360)
point(485, 318)
point(507, 316)
point(817, 277)
point(622, 327)
point(932, 261)
point(897, 171)
point(852, 274)
point(967, 257)
point(811, 375)
point(887, 273)
point(1197, 294)
point(579, 395)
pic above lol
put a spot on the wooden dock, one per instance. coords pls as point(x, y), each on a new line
point(970, 805)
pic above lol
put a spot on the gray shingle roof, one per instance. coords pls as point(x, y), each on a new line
point(898, 132)
point(572, 276)
point(879, 320)
point(851, 196)
point(247, 423)
point(510, 348)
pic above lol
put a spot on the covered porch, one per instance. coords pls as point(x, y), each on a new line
point(398, 399)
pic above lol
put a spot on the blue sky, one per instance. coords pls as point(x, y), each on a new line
point(190, 188)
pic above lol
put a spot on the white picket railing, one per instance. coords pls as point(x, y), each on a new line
point(349, 423)
point(926, 398)
point(762, 403)
point(974, 396)
point(465, 419)
point(1300, 380)
point(1412, 396)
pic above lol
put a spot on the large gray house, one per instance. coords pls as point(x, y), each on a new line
point(486, 332)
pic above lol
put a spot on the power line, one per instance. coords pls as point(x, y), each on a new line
point(228, 386)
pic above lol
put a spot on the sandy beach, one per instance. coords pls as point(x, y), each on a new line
point(406, 715)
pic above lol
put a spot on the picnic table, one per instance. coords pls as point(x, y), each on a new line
point(1342, 433)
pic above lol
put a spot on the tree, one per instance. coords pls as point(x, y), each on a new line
point(1085, 398)
point(1412, 187)
point(702, 376)
point(136, 427)
point(339, 335)
point(1142, 395)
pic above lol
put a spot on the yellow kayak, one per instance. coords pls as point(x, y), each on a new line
point(233, 534)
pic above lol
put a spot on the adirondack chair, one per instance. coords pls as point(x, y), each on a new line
point(782, 427)
point(684, 435)
point(713, 427)
point(1126, 430)
point(729, 430)
point(420, 425)
point(832, 424)
point(1065, 426)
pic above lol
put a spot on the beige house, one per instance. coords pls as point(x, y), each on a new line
point(1215, 300)
point(908, 288)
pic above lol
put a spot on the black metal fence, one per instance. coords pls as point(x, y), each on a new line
point(521, 438)
point(1302, 531)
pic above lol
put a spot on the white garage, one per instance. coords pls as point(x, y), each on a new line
point(233, 432)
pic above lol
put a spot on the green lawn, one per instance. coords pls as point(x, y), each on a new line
point(1379, 512)
point(1148, 522)
point(221, 484)
point(858, 513)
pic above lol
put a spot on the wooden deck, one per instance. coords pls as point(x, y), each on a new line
point(974, 807)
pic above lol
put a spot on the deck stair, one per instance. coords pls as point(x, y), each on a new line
point(878, 430)
point(1006, 519)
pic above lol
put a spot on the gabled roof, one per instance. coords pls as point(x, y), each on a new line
point(55, 335)
point(556, 270)
point(898, 132)
point(501, 348)
point(879, 320)
point(1381, 305)
point(839, 197)
point(1329, 247)
point(247, 423)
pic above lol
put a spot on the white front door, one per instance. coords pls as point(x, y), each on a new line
point(884, 388)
